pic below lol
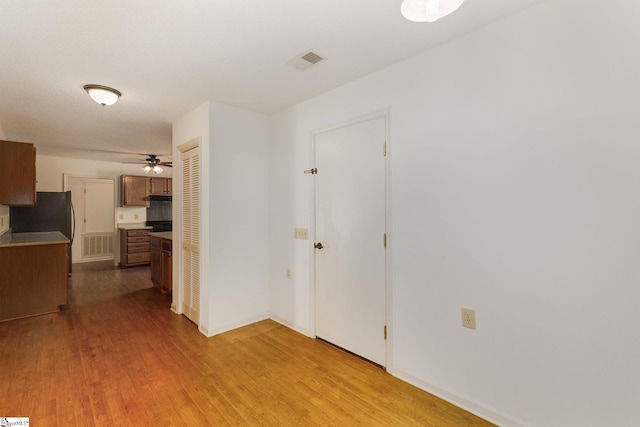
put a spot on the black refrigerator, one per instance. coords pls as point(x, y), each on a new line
point(53, 211)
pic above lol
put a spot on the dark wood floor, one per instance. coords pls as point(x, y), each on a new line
point(119, 356)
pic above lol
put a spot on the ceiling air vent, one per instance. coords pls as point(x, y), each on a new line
point(305, 60)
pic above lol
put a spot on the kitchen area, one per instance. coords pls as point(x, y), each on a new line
point(34, 263)
point(37, 230)
point(150, 242)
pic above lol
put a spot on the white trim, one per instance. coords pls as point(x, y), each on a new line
point(85, 260)
point(483, 411)
point(231, 326)
point(189, 145)
point(178, 273)
point(116, 189)
point(388, 228)
point(204, 331)
point(287, 324)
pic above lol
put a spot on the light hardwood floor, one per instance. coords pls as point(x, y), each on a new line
point(119, 356)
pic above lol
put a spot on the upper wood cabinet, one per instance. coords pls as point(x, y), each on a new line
point(160, 186)
point(135, 191)
point(17, 174)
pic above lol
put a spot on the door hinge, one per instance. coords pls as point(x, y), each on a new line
point(384, 149)
point(385, 332)
point(384, 240)
point(312, 171)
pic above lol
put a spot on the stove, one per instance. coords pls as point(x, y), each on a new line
point(160, 225)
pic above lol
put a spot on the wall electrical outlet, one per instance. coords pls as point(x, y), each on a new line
point(120, 217)
point(468, 318)
point(301, 233)
point(135, 216)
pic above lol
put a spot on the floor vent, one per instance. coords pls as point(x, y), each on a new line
point(305, 60)
point(97, 245)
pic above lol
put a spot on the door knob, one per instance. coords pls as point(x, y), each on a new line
point(318, 245)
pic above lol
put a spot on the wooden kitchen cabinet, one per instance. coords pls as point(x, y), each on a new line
point(17, 174)
point(135, 191)
point(166, 269)
point(135, 247)
point(156, 260)
point(160, 186)
point(161, 262)
point(34, 277)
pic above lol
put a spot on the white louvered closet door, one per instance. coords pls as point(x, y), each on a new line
point(190, 218)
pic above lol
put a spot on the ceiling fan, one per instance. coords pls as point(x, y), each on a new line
point(154, 164)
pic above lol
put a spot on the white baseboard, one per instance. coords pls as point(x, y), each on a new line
point(289, 325)
point(96, 259)
point(231, 326)
point(487, 413)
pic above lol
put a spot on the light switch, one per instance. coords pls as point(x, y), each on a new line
point(301, 233)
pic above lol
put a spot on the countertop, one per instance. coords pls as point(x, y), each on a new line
point(30, 239)
point(135, 226)
point(162, 234)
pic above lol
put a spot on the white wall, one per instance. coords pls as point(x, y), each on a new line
point(239, 256)
point(234, 252)
point(514, 185)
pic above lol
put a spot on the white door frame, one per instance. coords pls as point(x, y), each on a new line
point(178, 270)
point(386, 114)
point(65, 187)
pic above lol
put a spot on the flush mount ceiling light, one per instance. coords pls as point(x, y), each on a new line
point(103, 95)
point(428, 10)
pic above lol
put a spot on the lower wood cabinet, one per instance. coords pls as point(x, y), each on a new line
point(166, 266)
point(161, 263)
point(33, 280)
point(156, 259)
point(134, 247)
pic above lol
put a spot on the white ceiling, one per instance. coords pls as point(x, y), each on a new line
point(168, 57)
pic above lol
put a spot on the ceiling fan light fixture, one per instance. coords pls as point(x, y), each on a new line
point(428, 10)
point(153, 164)
point(103, 95)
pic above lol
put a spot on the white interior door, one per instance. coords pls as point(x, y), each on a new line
point(99, 206)
point(350, 225)
point(94, 206)
point(190, 226)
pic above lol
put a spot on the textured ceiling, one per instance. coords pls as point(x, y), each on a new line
point(168, 57)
